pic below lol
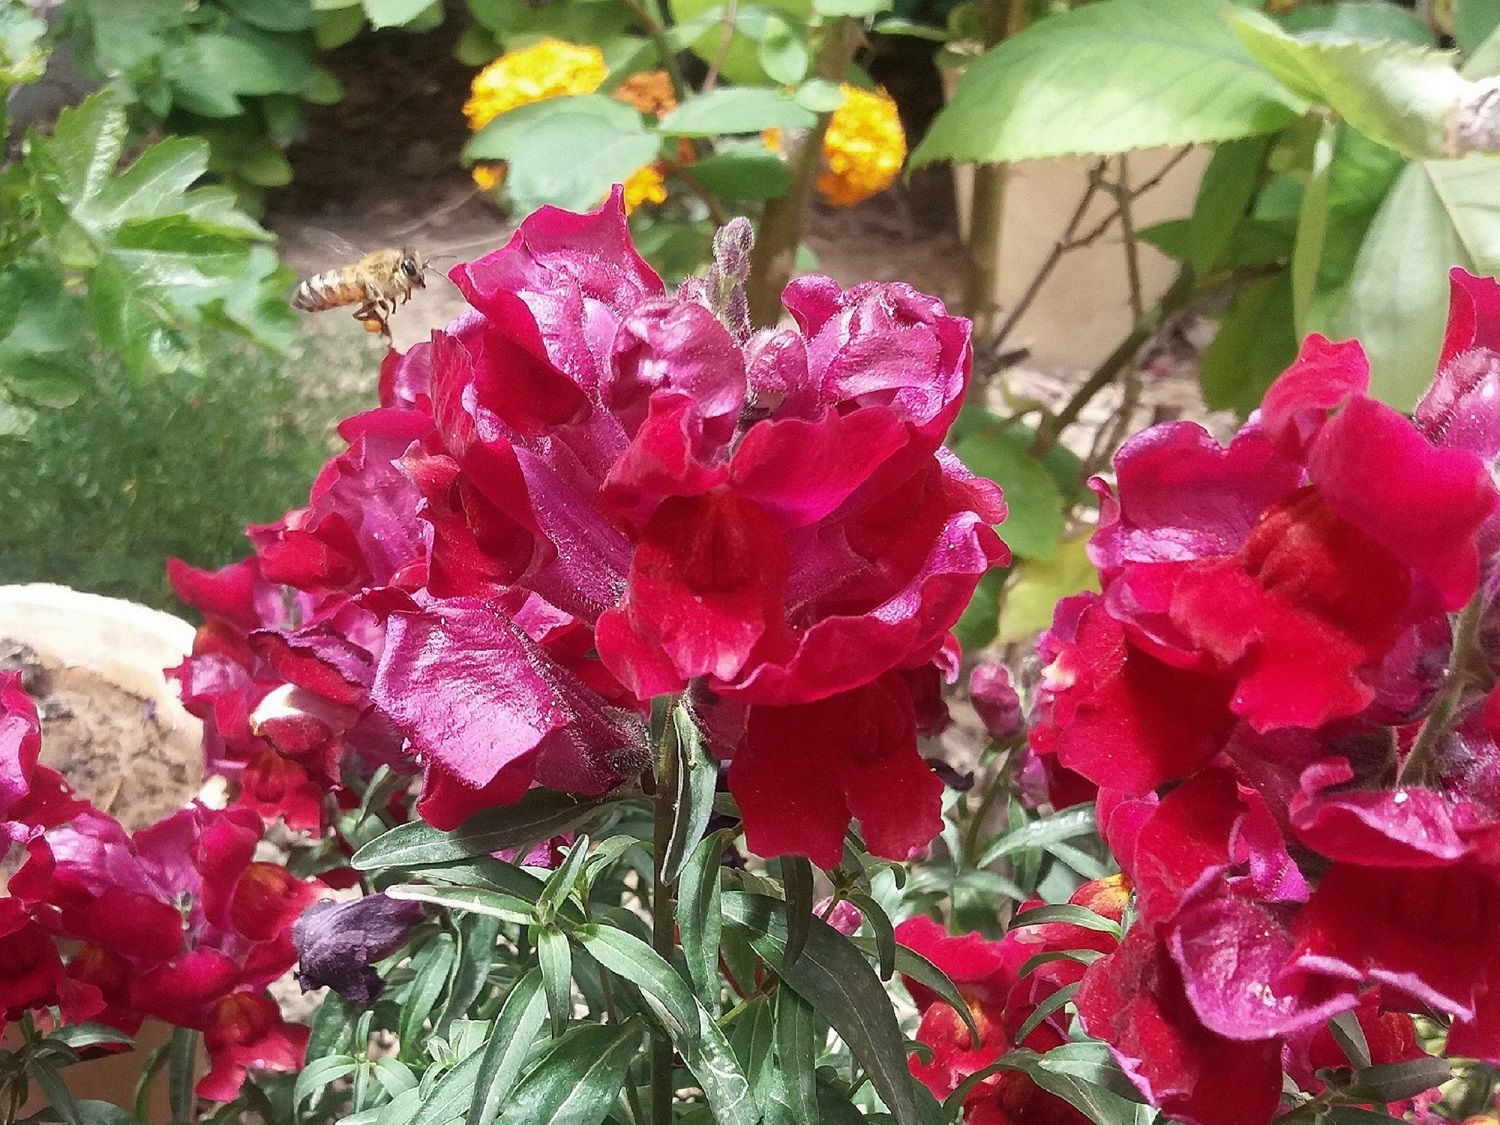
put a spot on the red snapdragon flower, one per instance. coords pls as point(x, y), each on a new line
point(1256, 693)
point(586, 493)
point(1000, 1000)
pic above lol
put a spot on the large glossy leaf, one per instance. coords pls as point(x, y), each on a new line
point(1395, 93)
point(1108, 77)
point(539, 815)
point(833, 976)
point(1034, 518)
point(1438, 214)
point(744, 109)
point(577, 1080)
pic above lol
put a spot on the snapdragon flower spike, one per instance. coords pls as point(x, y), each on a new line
point(1256, 690)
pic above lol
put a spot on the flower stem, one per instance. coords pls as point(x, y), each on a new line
point(663, 913)
point(1439, 720)
point(775, 253)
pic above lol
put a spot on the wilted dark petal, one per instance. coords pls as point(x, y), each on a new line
point(338, 943)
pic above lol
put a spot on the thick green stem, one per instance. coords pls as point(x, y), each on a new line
point(663, 914)
point(982, 250)
point(775, 254)
point(1440, 719)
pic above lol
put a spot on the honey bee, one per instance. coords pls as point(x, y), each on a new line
point(375, 283)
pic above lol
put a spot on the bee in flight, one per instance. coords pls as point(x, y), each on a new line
point(375, 283)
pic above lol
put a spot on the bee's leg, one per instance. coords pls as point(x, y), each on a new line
point(373, 314)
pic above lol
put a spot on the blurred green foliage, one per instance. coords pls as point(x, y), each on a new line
point(98, 495)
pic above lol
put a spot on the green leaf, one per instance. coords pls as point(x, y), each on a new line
point(797, 879)
point(697, 777)
point(885, 934)
point(556, 959)
point(698, 919)
point(1438, 214)
point(1095, 1100)
point(432, 965)
point(478, 900)
point(571, 159)
point(510, 1040)
point(564, 881)
point(394, 13)
point(446, 1102)
point(744, 175)
point(910, 963)
point(819, 95)
point(725, 1087)
point(182, 1058)
point(81, 1035)
point(1394, 93)
point(1177, 75)
point(1059, 826)
point(320, 1073)
point(577, 1079)
point(1475, 22)
point(1346, 1029)
point(1066, 913)
point(1312, 226)
point(857, 9)
point(1256, 342)
point(1394, 1082)
point(783, 50)
point(1357, 19)
point(60, 1098)
point(835, 978)
point(1078, 956)
point(1059, 999)
point(981, 618)
point(539, 815)
point(796, 1044)
point(640, 966)
point(339, 26)
point(92, 1112)
point(1224, 195)
point(274, 15)
point(737, 109)
point(1034, 522)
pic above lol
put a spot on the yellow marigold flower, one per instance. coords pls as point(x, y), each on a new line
point(489, 175)
point(645, 185)
point(864, 148)
point(649, 91)
point(548, 69)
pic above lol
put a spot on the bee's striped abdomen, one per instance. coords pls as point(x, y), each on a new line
point(329, 290)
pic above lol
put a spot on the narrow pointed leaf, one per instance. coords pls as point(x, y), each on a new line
point(797, 876)
point(539, 815)
point(1058, 826)
point(885, 933)
point(835, 978)
point(699, 923)
point(511, 1037)
point(433, 965)
point(910, 963)
point(697, 776)
point(713, 1064)
point(1065, 912)
point(563, 880)
point(557, 976)
point(640, 966)
point(477, 900)
point(1058, 999)
point(796, 1051)
point(578, 1079)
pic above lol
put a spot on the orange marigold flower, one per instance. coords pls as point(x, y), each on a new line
point(864, 148)
point(649, 91)
point(548, 69)
point(645, 185)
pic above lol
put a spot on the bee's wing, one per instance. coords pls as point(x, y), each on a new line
point(333, 248)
